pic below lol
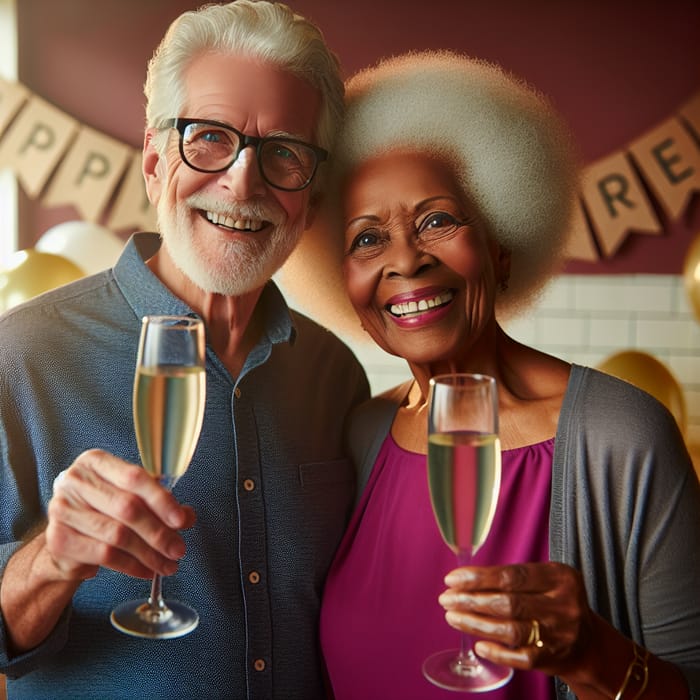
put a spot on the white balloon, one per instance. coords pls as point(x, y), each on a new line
point(90, 246)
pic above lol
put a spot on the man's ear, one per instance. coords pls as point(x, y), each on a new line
point(152, 168)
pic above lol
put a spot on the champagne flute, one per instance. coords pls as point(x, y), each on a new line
point(168, 403)
point(464, 476)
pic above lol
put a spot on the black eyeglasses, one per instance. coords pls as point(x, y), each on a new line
point(211, 147)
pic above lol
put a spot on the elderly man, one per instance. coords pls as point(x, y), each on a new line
point(243, 100)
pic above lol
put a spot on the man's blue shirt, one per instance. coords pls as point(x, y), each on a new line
point(270, 483)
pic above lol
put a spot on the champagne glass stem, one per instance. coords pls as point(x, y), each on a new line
point(156, 598)
point(154, 610)
point(466, 662)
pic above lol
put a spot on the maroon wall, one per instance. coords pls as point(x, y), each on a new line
point(614, 69)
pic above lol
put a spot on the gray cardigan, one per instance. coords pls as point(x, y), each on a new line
point(625, 510)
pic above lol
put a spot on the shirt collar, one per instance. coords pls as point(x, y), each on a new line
point(146, 294)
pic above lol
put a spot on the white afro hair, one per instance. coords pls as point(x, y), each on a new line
point(514, 156)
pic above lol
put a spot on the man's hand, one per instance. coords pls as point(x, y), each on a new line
point(111, 513)
point(104, 512)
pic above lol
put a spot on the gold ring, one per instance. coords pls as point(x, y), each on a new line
point(534, 638)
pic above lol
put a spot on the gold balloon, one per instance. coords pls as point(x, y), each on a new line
point(691, 275)
point(651, 375)
point(29, 272)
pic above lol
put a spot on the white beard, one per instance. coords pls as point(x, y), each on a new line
point(236, 266)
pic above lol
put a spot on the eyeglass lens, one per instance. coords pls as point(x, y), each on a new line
point(283, 163)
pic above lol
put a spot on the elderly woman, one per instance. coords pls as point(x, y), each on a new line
point(454, 184)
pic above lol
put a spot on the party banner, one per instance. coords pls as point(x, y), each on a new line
point(666, 159)
point(580, 244)
point(670, 164)
point(88, 175)
point(63, 162)
point(12, 97)
point(616, 202)
point(35, 142)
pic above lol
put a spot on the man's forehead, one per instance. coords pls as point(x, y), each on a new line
point(254, 96)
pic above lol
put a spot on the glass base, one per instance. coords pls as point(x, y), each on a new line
point(139, 619)
point(468, 675)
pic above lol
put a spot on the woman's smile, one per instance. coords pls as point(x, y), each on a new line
point(417, 266)
point(423, 306)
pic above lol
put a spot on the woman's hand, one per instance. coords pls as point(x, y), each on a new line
point(524, 615)
point(536, 616)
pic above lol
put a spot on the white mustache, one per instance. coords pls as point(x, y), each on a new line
point(237, 210)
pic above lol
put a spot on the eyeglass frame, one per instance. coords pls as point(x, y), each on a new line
point(244, 140)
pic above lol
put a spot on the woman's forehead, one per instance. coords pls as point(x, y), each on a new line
point(400, 176)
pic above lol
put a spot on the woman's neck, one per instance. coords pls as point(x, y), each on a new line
point(531, 388)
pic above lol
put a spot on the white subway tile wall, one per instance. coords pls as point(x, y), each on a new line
point(586, 318)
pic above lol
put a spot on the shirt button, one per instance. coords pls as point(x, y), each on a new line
point(249, 485)
point(259, 664)
point(254, 577)
point(237, 392)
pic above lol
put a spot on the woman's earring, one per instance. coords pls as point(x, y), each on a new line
point(504, 284)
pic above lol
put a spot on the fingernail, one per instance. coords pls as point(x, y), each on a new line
point(458, 576)
point(480, 648)
point(450, 599)
point(447, 600)
point(453, 618)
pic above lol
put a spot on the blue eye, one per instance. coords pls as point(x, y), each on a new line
point(203, 132)
point(282, 151)
point(211, 136)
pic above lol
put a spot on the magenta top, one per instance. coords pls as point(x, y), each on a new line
point(380, 617)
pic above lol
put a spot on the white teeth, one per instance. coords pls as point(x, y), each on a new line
point(413, 307)
point(230, 222)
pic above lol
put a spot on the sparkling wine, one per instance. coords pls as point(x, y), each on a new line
point(464, 475)
point(168, 413)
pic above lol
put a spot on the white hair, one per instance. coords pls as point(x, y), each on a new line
point(269, 31)
point(513, 154)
